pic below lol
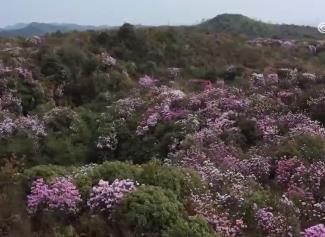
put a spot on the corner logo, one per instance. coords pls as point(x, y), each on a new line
point(321, 28)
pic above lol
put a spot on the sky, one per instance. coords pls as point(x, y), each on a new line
point(157, 12)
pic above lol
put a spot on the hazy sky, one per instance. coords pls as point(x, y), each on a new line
point(157, 12)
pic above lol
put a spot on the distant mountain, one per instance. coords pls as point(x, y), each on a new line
point(239, 24)
point(225, 23)
point(36, 28)
point(15, 26)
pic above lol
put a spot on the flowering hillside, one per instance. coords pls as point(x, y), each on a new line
point(161, 132)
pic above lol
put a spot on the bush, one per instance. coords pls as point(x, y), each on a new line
point(23, 147)
point(259, 198)
point(309, 148)
point(149, 210)
point(178, 180)
point(249, 131)
point(64, 150)
point(47, 172)
point(193, 227)
point(110, 171)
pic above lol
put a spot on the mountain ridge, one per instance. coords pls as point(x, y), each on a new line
point(36, 28)
point(224, 23)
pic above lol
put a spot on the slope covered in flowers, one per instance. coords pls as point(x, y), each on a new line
point(148, 133)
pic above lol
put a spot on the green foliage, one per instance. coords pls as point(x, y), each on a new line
point(149, 210)
point(308, 148)
point(193, 227)
point(318, 112)
point(115, 170)
point(321, 57)
point(47, 172)
point(63, 150)
point(93, 226)
point(249, 131)
point(31, 96)
point(22, 146)
point(178, 180)
point(260, 198)
point(52, 67)
point(71, 140)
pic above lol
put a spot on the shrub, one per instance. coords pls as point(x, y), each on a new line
point(105, 197)
point(193, 227)
point(180, 181)
point(60, 195)
point(47, 172)
point(149, 210)
point(115, 170)
point(309, 148)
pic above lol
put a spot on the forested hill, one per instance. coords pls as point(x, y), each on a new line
point(239, 24)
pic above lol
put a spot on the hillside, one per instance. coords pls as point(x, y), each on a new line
point(161, 132)
point(239, 24)
point(36, 28)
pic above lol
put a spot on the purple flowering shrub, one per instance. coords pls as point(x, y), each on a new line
point(315, 231)
point(271, 224)
point(59, 195)
point(105, 197)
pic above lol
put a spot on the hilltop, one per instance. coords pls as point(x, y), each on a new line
point(240, 24)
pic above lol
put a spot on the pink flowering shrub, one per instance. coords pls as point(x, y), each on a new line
point(10, 102)
point(26, 74)
point(104, 197)
point(270, 223)
point(315, 231)
point(209, 208)
point(59, 195)
point(147, 82)
point(31, 125)
point(107, 60)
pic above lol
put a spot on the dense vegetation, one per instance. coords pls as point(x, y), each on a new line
point(171, 132)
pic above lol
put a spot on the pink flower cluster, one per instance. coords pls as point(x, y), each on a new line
point(36, 40)
point(302, 124)
point(26, 74)
point(258, 166)
point(268, 127)
point(10, 102)
point(272, 225)
point(32, 125)
point(150, 120)
point(104, 197)
point(107, 60)
point(59, 195)
point(125, 108)
point(147, 82)
point(315, 231)
point(301, 180)
point(164, 99)
point(207, 207)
